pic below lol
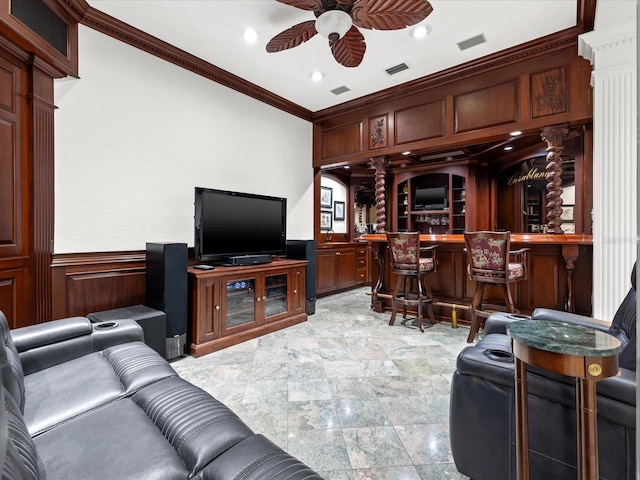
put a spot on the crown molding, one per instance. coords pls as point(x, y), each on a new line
point(123, 32)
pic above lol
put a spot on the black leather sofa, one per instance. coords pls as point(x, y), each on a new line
point(482, 406)
point(91, 402)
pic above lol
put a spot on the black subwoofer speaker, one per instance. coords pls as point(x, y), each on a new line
point(167, 290)
point(306, 250)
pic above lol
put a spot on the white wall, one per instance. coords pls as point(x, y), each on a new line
point(136, 134)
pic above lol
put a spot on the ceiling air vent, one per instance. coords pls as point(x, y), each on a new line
point(397, 69)
point(472, 42)
point(339, 90)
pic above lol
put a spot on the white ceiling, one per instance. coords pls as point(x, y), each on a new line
point(211, 30)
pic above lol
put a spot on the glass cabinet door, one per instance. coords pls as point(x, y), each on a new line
point(275, 298)
point(240, 302)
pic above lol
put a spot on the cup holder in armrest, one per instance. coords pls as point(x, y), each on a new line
point(499, 355)
point(519, 316)
point(105, 325)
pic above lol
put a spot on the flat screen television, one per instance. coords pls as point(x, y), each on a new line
point(431, 198)
point(231, 224)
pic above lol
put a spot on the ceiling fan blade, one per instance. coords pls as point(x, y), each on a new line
point(292, 37)
point(304, 4)
point(349, 50)
point(389, 14)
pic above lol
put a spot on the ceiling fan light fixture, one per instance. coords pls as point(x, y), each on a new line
point(333, 24)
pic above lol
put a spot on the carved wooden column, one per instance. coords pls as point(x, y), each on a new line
point(380, 164)
point(554, 137)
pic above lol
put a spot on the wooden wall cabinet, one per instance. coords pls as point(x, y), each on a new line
point(340, 267)
point(450, 217)
point(229, 305)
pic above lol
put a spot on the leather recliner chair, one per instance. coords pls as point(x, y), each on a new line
point(482, 406)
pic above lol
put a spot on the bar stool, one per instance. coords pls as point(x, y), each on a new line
point(411, 263)
point(489, 262)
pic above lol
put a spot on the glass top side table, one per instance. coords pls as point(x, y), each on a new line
point(586, 354)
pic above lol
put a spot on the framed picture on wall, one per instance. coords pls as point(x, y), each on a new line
point(326, 197)
point(567, 213)
point(326, 222)
point(338, 211)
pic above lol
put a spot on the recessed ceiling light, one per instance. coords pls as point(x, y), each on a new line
point(515, 133)
point(250, 35)
point(408, 152)
point(317, 76)
point(508, 148)
point(347, 167)
point(420, 31)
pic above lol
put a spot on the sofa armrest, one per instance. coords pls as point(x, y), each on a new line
point(572, 318)
point(497, 322)
point(55, 331)
point(51, 343)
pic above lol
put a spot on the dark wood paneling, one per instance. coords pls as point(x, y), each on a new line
point(12, 193)
point(419, 123)
point(41, 134)
point(95, 292)
point(56, 63)
point(327, 272)
point(346, 268)
point(345, 140)
point(487, 107)
point(481, 104)
point(14, 200)
point(86, 283)
point(545, 286)
point(11, 291)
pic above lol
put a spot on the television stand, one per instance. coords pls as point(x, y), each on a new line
point(240, 260)
point(230, 305)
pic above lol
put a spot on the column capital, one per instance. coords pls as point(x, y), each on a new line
point(609, 48)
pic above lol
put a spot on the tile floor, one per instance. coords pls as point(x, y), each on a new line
point(344, 392)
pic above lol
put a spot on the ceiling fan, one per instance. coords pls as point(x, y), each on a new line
point(339, 20)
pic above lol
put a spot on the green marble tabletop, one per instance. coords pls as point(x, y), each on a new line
point(560, 337)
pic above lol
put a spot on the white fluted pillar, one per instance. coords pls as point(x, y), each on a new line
point(612, 53)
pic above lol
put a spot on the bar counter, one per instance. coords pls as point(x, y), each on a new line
point(559, 274)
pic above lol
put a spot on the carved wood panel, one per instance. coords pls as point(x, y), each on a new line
point(549, 93)
point(378, 132)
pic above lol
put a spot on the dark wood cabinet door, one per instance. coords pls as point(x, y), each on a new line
point(346, 260)
point(327, 272)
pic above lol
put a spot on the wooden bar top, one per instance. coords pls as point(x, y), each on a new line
point(524, 238)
